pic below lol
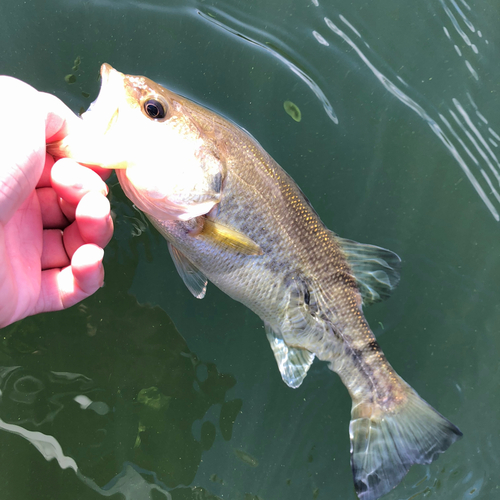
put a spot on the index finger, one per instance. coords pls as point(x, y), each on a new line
point(72, 181)
point(59, 119)
point(59, 122)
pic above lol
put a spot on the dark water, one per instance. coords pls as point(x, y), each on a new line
point(397, 146)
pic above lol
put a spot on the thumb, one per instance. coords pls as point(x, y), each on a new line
point(22, 143)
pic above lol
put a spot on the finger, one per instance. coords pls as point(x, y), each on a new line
point(59, 119)
point(72, 181)
point(87, 268)
point(93, 216)
point(52, 216)
point(103, 173)
point(44, 180)
point(21, 144)
point(68, 209)
point(53, 252)
point(62, 288)
point(72, 239)
point(93, 224)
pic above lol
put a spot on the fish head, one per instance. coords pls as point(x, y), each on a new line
point(165, 151)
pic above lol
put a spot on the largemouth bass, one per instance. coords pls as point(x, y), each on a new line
point(233, 216)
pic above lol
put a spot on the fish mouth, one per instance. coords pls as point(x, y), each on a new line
point(102, 115)
point(107, 100)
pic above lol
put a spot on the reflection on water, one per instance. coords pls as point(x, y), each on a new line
point(246, 458)
point(127, 426)
point(130, 483)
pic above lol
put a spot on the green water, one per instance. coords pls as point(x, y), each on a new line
point(142, 388)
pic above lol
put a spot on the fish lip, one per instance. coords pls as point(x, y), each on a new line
point(106, 100)
point(106, 70)
point(97, 124)
point(107, 74)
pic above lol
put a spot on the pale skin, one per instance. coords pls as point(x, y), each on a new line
point(54, 217)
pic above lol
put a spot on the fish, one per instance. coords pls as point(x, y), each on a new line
point(232, 216)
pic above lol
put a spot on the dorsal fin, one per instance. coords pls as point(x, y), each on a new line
point(193, 278)
point(293, 362)
point(375, 269)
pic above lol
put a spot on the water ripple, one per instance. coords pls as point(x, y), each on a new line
point(47, 445)
point(455, 23)
point(347, 23)
point(476, 132)
point(129, 483)
point(463, 16)
point(472, 70)
point(320, 39)
point(273, 45)
point(408, 101)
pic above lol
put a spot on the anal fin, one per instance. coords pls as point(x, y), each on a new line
point(293, 362)
point(193, 278)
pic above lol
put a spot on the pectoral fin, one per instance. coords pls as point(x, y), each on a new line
point(375, 269)
point(227, 237)
point(293, 363)
point(193, 278)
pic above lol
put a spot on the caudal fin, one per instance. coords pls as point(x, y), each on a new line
point(385, 445)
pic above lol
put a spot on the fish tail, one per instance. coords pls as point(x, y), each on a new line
point(385, 444)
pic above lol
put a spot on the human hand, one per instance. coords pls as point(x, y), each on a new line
point(54, 217)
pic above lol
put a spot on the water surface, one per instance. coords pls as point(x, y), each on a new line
point(145, 392)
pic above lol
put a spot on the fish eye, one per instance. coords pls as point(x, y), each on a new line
point(155, 109)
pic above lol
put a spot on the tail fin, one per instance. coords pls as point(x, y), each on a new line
point(384, 445)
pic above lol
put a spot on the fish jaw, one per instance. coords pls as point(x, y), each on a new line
point(162, 207)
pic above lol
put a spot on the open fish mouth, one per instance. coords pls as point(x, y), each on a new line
point(103, 112)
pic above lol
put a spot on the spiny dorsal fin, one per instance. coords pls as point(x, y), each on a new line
point(375, 269)
point(293, 363)
point(193, 278)
point(229, 238)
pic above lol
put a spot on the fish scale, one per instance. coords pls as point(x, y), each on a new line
point(237, 219)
